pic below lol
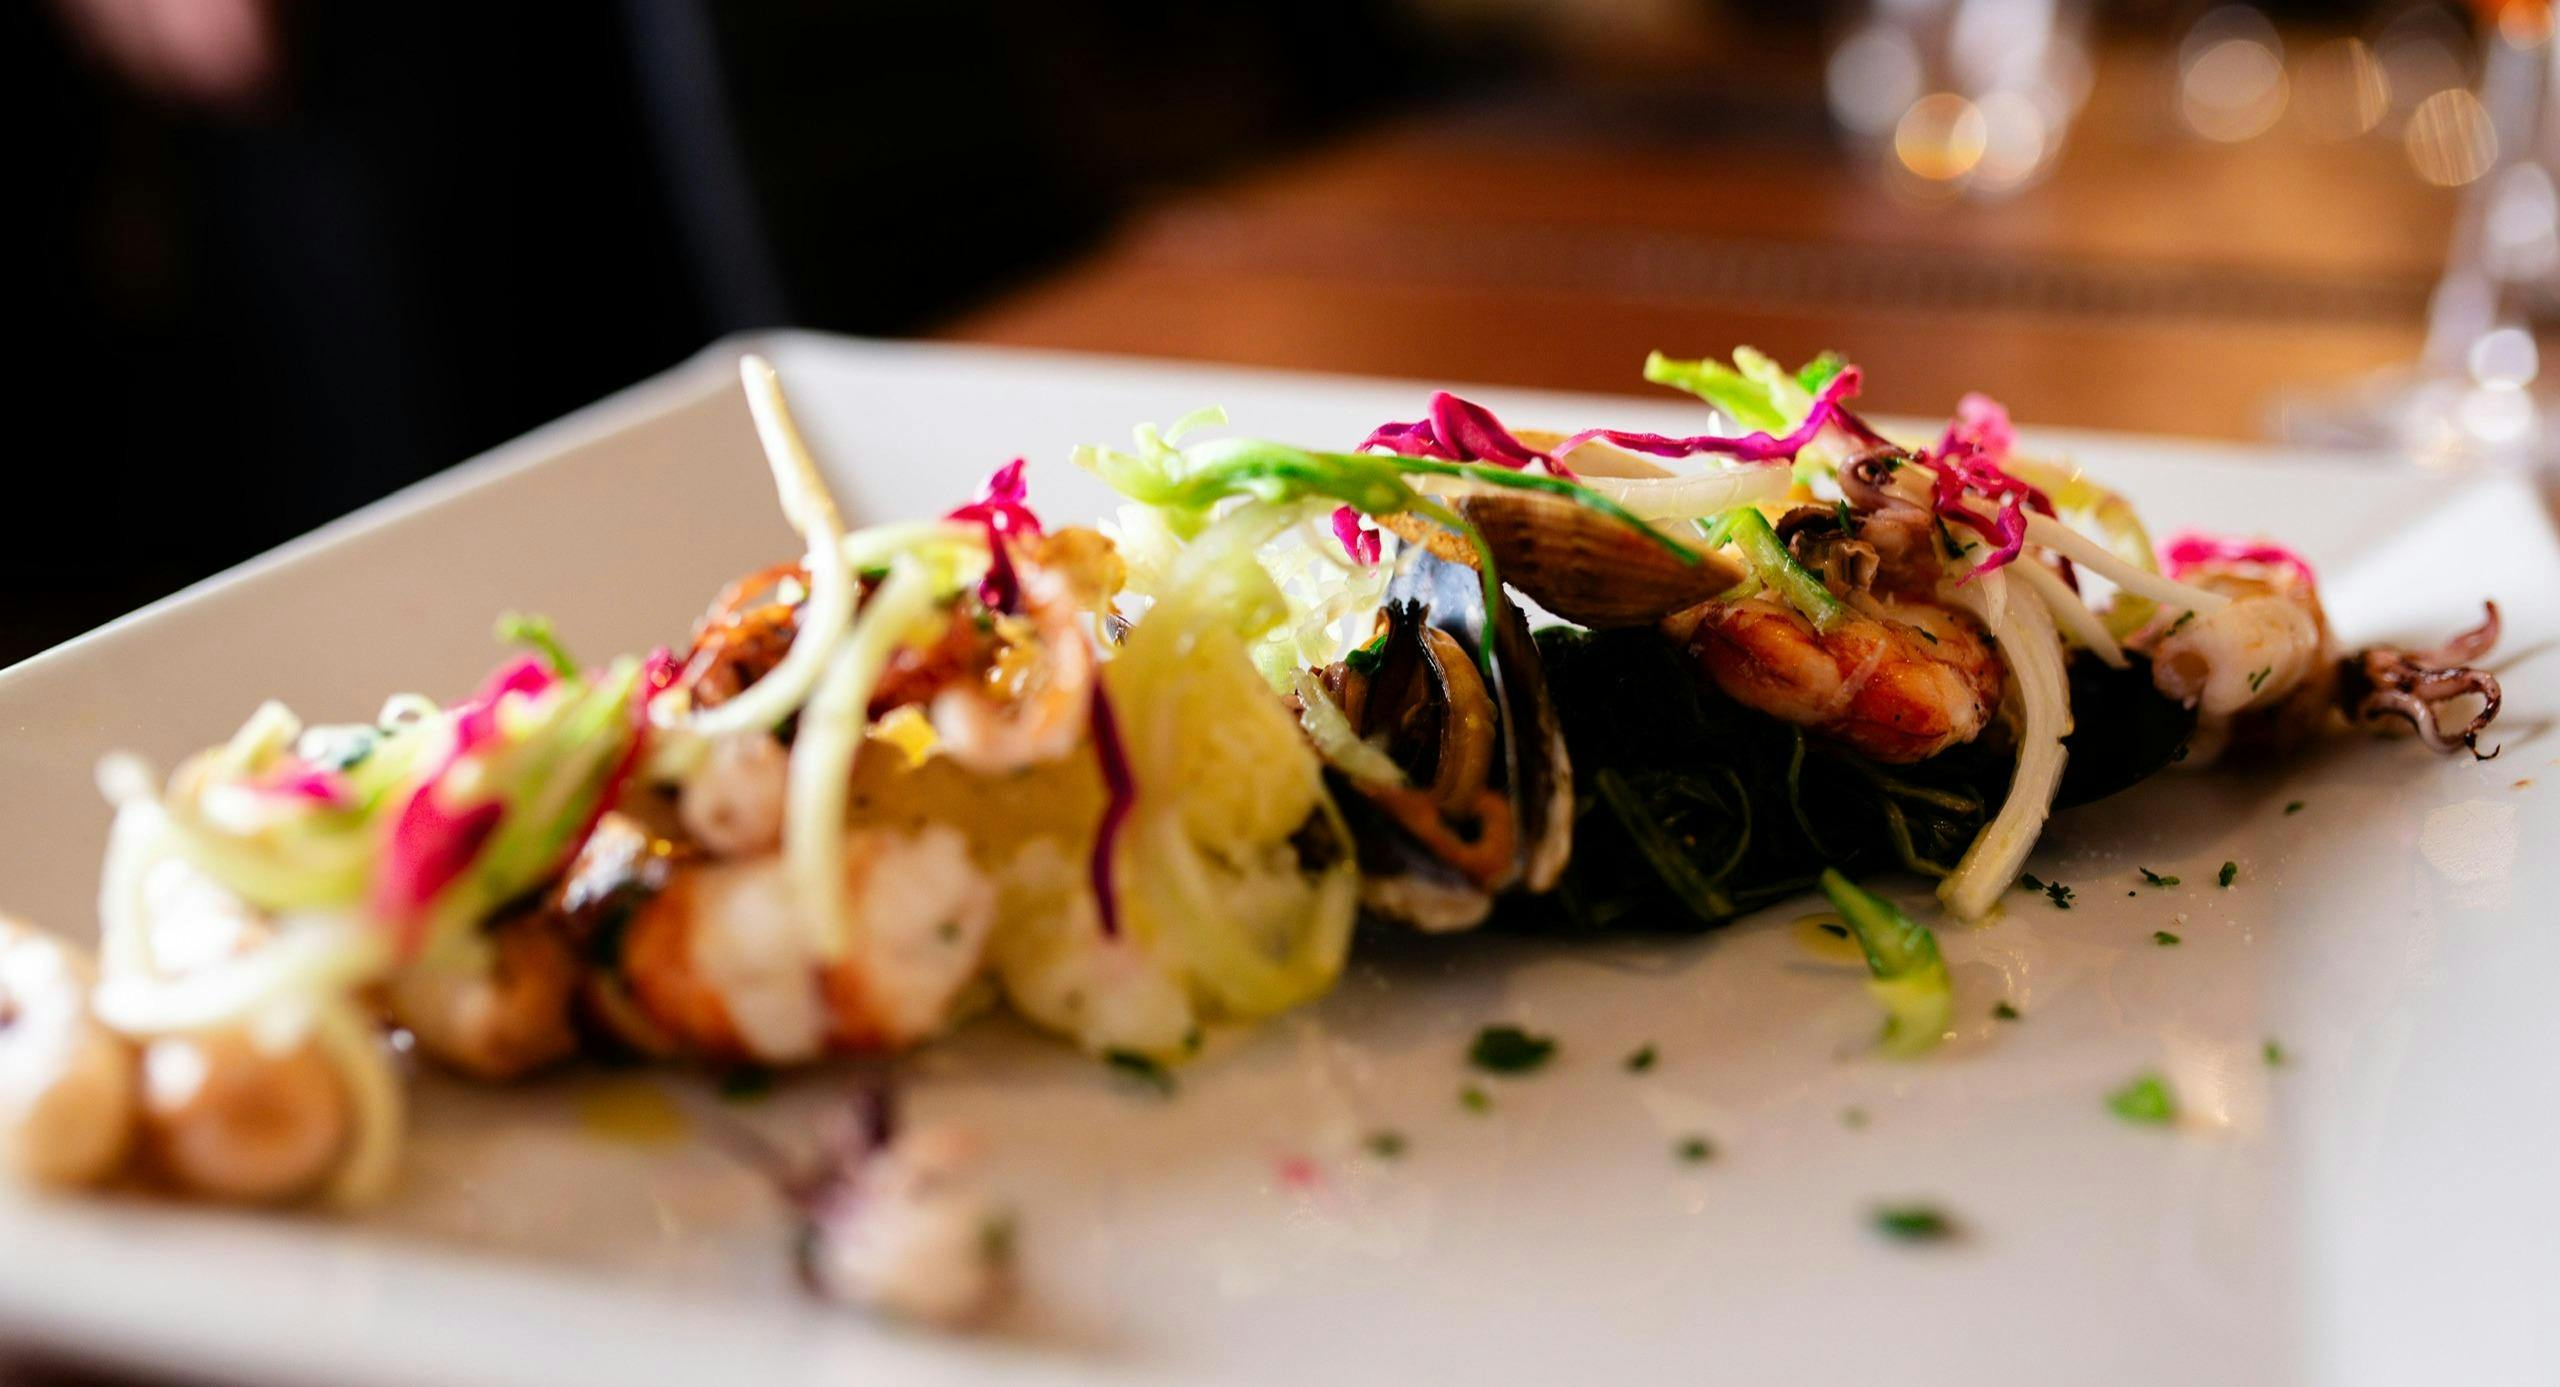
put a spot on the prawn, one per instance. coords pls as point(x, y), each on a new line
point(67, 1083)
point(1899, 680)
point(719, 962)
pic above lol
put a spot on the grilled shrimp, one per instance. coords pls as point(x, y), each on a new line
point(732, 805)
point(1899, 680)
point(720, 962)
point(2255, 653)
point(222, 1117)
point(66, 1081)
point(2257, 671)
point(222, 1114)
point(1031, 705)
point(500, 1023)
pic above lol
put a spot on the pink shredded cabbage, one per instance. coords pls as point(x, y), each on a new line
point(1120, 784)
point(430, 842)
point(1967, 462)
point(295, 778)
point(2186, 551)
point(1358, 539)
point(1751, 447)
point(999, 507)
point(1456, 430)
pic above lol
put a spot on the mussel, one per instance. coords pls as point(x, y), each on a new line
point(1486, 803)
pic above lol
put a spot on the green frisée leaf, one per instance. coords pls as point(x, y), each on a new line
point(1907, 975)
point(1745, 401)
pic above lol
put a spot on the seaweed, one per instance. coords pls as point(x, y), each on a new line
point(1691, 809)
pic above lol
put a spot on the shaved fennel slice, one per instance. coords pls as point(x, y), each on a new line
point(2033, 649)
point(1335, 740)
point(353, 1046)
point(822, 754)
point(1711, 492)
point(138, 838)
point(2071, 614)
point(812, 512)
point(2098, 558)
point(316, 961)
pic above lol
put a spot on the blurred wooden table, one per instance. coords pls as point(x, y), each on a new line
point(1552, 237)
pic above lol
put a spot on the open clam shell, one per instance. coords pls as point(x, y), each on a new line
point(1586, 567)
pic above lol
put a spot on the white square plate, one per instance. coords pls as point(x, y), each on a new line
point(2378, 1210)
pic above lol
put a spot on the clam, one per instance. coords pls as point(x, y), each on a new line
point(1486, 804)
point(1588, 567)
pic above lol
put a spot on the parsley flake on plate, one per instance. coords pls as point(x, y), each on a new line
point(1643, 1058)
point(2163, 938)
point(1142, 1069)
point(1913, 1223)
point(2230, 872)
point(2145, 1100)
point(2002, 1011)
point(1510, 1050)
point(2152, 878)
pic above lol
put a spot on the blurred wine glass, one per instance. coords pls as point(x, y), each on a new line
point(2476, 396)
point(1960, 98)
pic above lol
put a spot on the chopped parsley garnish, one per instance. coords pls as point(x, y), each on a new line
point(1643, 1058)
point(2054, 891)
point(1386, 1146)
point(1923, 633)
point(996, 1239)
point(2272, 1053)
point(1853, 1117)
point(1695, 1150)
point(746, 1084)
point(2163, 938)
point(2258, 677)
point(1474, 1099)
point(1913, 1223)
point(1510, 1050)
point(2002, 1011)
point(2152, 878)
point(2181, 623)
point(1143, 1069)
point(2230, 872)
point(2293, 808)
point(1848, 519)
point(2145, 1100)
point(1833, 928)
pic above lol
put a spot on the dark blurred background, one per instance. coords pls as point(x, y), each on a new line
point(287, 257)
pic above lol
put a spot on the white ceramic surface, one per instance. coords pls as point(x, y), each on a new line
point(2379, 1210)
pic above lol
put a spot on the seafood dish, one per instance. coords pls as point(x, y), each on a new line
point(1138, 781)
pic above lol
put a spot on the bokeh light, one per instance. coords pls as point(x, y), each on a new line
point(2340, 90)
point(2450, 139)
point(2017, 138)
point(2233, 90)
point(1941, 138)
point(1873, 77)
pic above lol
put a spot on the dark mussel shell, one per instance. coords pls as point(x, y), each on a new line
point(1488, 806)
